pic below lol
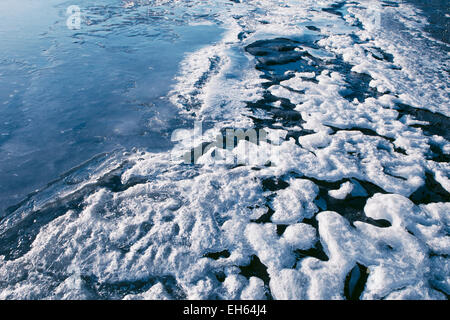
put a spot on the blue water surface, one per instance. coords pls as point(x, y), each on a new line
point(68, 95)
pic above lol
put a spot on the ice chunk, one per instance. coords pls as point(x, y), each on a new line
point(342, 193)
point(300, 236)
point(296, 202)
point(156, 292)
point(255, 290)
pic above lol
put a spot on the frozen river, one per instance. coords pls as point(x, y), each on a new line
point(119, 179)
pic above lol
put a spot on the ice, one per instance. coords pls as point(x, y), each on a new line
point(317, 140)
point(341, 193)
point(394, 258)
point(254, 291)
point(300, 236)
point(295, 203)
point(289, 284)
point(156, 292)
point(154, 227)
point(265, 242)
point(233, 285)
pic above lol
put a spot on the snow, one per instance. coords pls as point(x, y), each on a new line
point(295, 203)
point(300, 236)
point(288, 284)
point(156, 292)
point(342, 193)
point(170, 216)
point(254, 291)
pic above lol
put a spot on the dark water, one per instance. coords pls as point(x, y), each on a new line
point(438, 14)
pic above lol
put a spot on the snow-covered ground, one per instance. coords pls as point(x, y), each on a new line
point(352, 203)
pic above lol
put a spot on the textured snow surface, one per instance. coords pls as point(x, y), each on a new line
point(357, 189)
